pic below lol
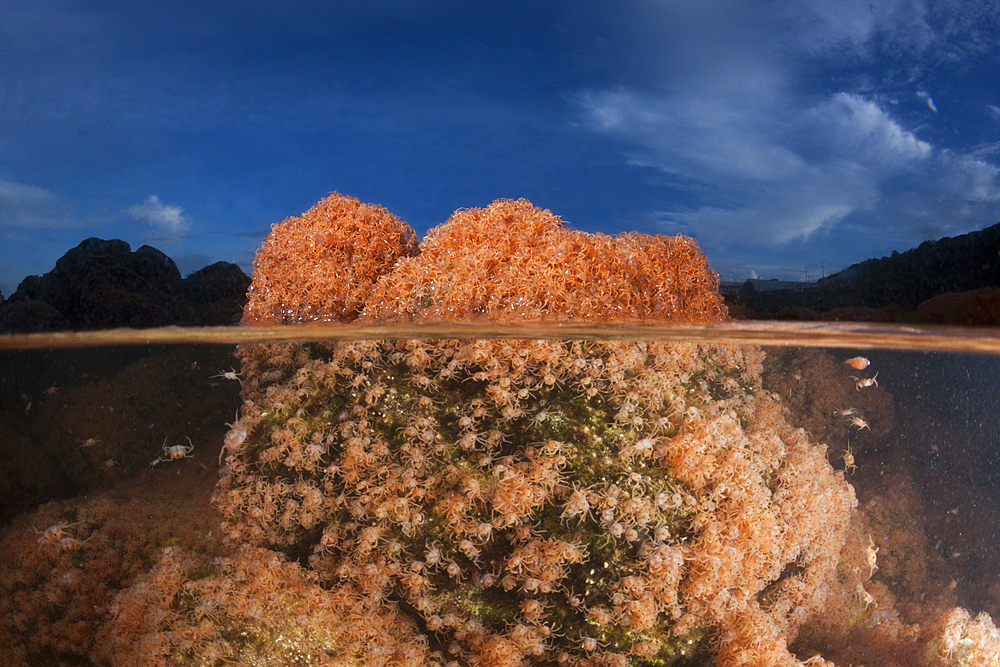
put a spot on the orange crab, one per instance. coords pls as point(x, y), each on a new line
point(859, 363)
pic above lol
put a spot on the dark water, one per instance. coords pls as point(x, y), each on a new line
point(83, 414)
point(128, 390)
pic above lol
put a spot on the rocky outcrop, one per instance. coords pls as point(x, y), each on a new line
point(102, 284)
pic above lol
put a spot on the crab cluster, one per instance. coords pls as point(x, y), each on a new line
point(515, 262)
point(590, 502)
point(323, 264)
point(575, 502)
point(509, 262)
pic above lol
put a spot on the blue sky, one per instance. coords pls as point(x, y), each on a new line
point(788, 138)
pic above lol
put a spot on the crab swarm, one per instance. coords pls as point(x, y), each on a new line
point(509, 262)
point(523, 502)
point(323, 264)
point(591, 503)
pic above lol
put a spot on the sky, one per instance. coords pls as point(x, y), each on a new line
point(790, 139)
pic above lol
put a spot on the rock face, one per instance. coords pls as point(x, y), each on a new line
point(103, 284)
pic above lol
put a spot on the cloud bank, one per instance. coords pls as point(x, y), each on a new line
point(32, 207)
point(760, 152)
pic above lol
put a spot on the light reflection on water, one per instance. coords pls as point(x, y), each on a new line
point(799, 334)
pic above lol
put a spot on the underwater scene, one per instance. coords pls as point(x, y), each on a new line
point(419, 478)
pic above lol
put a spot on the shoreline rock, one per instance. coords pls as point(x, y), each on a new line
point(103, 284)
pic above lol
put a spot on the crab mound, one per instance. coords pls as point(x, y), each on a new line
point(537, 502)
point(323, 264)
point(515, 262)
point(532, 502)
point(527, 502)
point(508, 262)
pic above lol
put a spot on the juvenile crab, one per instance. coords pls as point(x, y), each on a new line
point(860, 423)
point(866, 597)
point(234, 437)
point(173, 453)
point(231, 374)
point(54, 535)
point(57, 538)
point(871, 557)
point(849, 465)
point(865, 382)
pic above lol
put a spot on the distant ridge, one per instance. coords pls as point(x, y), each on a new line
point(951, 264)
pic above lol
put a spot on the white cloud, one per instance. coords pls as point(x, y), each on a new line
point(30, 206)
point(720, 136)
point(166, 219)
point(765, 183)
point(790, 130)
point(859, 130)
point(921, 33)
point(772, 173)
point(968, 178)
point(828, 25)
